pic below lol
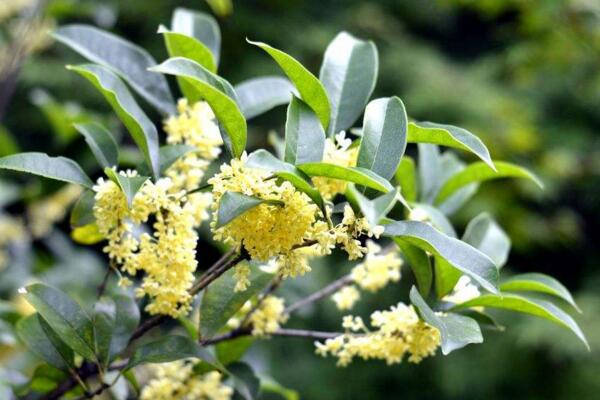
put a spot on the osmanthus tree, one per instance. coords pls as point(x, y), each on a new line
point(334, 184)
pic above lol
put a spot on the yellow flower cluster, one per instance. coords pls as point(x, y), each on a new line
point(12, 230)
point(337, 152)
point(167, 256)
point(267, 230)
point(176, 381)
point(346, 297)
point(44, 213)
point(378, 269)
point(398, 332)
point(268, 317)
point(195, 126)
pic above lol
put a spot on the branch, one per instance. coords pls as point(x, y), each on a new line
point(300, 333)
point(318, 295)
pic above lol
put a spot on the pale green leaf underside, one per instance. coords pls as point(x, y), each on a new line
point(259, 95)
point(537, 282)
point(485, 234)
point(304, 135)
point(460, 255)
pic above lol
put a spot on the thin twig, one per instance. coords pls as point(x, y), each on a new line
point(320, 294)
point(102, 286)
point(301, 333)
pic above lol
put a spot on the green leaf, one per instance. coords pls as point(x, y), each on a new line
point(64, 316)
point(221, 302)
point(233, 204)
point(183, 45)
point(43, 342)
point(457, 331)
point(58, 168)
point(105, 315)
point(171, 153)
point(126, 321)
point(219, 98)
point(269, 385)
point(537, 282)
point(233, 350)
point(459, 254)
point(406, 177)
point(430, 172)
point(373, 210)
point(101, 142)
point(262, 159)
point(141, 129)
point(304, 135)
point(419, 263)
point(485, 234)
point(383, 136)
point(450, 136)
point(259, 95)
point(349, 73)
point(130, 185)
point(245, 381)
point(450, 165)
point(169, 348)
point(539, 308)
point(360, 176)
point(128, 60)
point(200, 26)
point(446, 277)
point(310, 88)
point(83, 211)
point(430, 214)
point(480, 172)
point(8, 145)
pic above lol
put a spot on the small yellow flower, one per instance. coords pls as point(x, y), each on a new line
point(346, 297)
point(268, 317)
point(337, 152)
point(377, 269)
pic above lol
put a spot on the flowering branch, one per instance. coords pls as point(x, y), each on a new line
point(245, 331)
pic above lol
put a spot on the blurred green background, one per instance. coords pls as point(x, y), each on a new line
point(523, 75)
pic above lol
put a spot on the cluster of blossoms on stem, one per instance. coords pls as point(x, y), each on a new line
point(291, 231)
point(44, 213)
point(338, 151)
point(372, 274)
point(265, 318)
point(167, 254)
point(12, 231)
point(177, 381)
point(397, 333)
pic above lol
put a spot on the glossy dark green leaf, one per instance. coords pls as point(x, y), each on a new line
point(304, 135)
point(259, 95)
point(480, 172)
point(128, 60)
point(245, 381)
point(127, 319)
point(406, 176)
point(233, 350)
point(130, 185)
point(43, 342)
point(456, 330)
point(360, 176)
point(199, 25)
point(221, 302)
point(233, 204)
point(169, 348)
point(383, 136)
point(101, 142)
point(459, 254)
point(522, 304)
point(105, 315)
point(450, 136)
point(217, 93)
point(58, 168)
point(182, 45)
point(485, 234)
point(141, 129)
point(310, 88)
point(537, 282)
point(349, 73)
point(419, 263)
point(262, 159)
point(64, 316)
